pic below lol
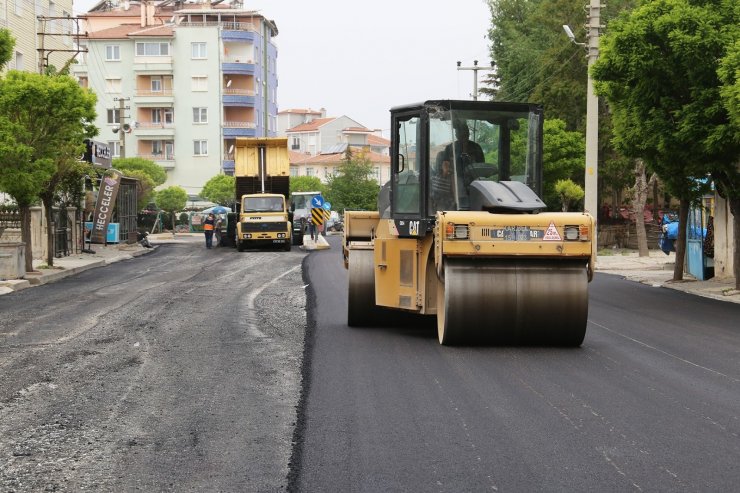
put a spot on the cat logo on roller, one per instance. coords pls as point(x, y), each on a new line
point(479, 252)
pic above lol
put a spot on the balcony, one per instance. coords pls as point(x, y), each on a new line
point(165, 96)
point(238, 92)
point(237, 65)
point(239, 129)
point(151, 129)
point(226, 26)
point(165, 161)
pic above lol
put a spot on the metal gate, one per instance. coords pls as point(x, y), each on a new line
point(126, 210)
point(62, 232)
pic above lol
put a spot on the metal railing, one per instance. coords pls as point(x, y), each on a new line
point(238, 92)
point(149, 92)
point(237, 59)
point(239, 124)
point(157, 157)
point(228, 26)
point(146, 125)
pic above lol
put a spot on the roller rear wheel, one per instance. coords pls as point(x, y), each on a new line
point(526, 301)
point(361, 309)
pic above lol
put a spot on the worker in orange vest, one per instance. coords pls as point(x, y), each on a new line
point(208, 226)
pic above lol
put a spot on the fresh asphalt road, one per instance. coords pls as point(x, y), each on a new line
point(650, 402)
point(176, 371)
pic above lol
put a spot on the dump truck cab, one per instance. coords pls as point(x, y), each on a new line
point(263, 221)
point(461, 232)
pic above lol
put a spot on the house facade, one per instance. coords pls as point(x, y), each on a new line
point(177, 83)
point(26, 20)
point(318, 147)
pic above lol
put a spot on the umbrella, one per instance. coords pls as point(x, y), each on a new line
point(218, 209)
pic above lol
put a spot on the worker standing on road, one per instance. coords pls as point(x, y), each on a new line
point(217, 230)
point(208, 225)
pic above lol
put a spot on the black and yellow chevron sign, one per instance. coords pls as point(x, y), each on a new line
point(319, 215)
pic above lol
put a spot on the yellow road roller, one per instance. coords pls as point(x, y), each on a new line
point(462, 234)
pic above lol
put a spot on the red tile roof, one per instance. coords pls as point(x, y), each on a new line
point(375, 140)
point(300, 112)
point(312, 125)
point(125, 30)
point(337, 158)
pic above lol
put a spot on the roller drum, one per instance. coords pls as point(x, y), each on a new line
point(513, 301)
point(361, 293)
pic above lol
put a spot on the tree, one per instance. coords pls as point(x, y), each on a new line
point(569, 192)
point(563, 159)
point(658, 68)
point(353, 186)
point(126, 165)
point(48, 116)
point(220, 189)
point(172, 199)
point(7, 42)
point(640, 194)
point(306, 184)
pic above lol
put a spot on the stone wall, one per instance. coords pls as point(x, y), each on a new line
point(38, 231)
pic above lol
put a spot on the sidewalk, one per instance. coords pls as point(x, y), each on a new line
point(657, 271)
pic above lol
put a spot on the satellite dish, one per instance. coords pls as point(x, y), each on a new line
point(228, 83)
point(231, 149)
point(115, 130)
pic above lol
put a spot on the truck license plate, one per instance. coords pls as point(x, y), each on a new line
point(517, 233)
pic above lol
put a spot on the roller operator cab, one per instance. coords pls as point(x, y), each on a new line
point(461, 233)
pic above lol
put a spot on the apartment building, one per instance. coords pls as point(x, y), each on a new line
point(43, 31)
point(178, 82)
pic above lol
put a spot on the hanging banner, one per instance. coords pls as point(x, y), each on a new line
point(104, 206)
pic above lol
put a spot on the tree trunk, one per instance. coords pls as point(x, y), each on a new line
point(26, 235)
point(641, 193)
point(735, 209)
point(683, 217)
point(49, 213)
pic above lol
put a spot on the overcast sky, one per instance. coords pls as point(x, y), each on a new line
point(361, 58)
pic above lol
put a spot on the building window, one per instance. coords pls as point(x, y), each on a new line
point(152, 49)
point(115, 148)
point(309, 171)
point(200, 147)
point(169, 116)
point(156, 115)
point(18, 60)
point(200, 115)
point(112, 53)
point(200, 83)
point(293, 171)
point(156, 84)
point(113, 85)
point(376, 172)
point(198, 50)
point(113, 116)
point(157, 147)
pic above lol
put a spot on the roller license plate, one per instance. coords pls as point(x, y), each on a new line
point(517, 233)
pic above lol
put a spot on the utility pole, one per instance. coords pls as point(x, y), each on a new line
point(591, 200)
point(475, 68)
point(122, 126)
point(591, 182)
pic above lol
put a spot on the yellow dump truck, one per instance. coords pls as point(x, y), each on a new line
point(262, 172)
point(461, 234)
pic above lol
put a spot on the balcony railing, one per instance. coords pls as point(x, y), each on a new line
point(240, 124)
point(238, 92)
point(237, 59)
point(228, 26)
point(149, 92)
point(158, 157)
point(155, 125)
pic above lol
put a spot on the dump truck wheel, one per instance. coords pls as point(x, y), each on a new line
point(361, 308)
point(287, 246)
point(239, 246)
point(505, 301)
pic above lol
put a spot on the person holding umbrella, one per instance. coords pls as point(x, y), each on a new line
point(208, 226)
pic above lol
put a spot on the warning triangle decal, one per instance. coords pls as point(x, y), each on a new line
point(552, 234)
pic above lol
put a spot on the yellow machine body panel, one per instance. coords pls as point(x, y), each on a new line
point(247, 162)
